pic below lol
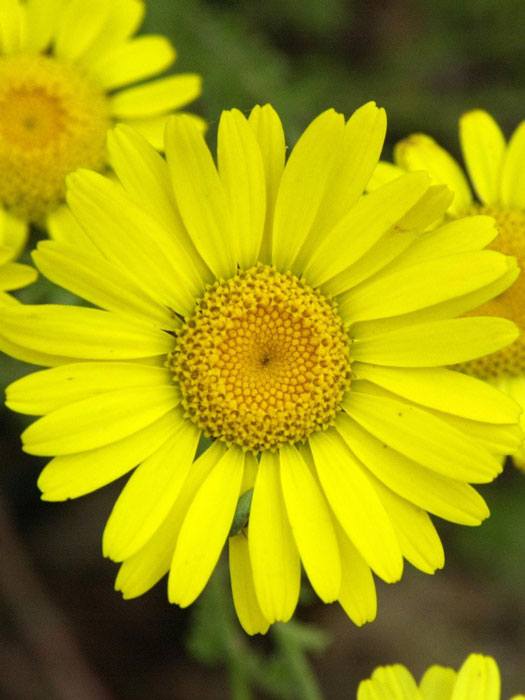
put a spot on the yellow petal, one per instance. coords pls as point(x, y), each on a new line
point(145, 176)
point(437, 683)
point(156, 97)
point(478, 678)
point(79, 25)
point(422, 437)
point(142, 570)
point(205, 529)
point(442, 311)
point(273, 553)
point(420, 152)
point(356, 504)
point(42, 392)
point(150, 493)
point(251, 466)
point(123, 19)
point(42, 21)
point(200, 194)
point(357, 595)
point(483, 146)
point(444, 390)
point(383, 172)
point(467, 234)
point(513, 177)
point(387, 249)
point(74, 475)
point(13, 26)
point(6, 254)
point(389, 683)
point(154, 128)
point(406, 290)
point(416, 534)
point(130, 238)
point(133, 61)
point(500, 439)
point(303, 185)
point(81, 333)
point(94, 279)
point(243, 589)
point(449, 499)
point(98, 420)
point(15, 276)
point(20, 352)
point(311, 524)
point(428, 211)
point(363, 139)
point(428, 344)
point(7, 299)
point(64, 228)
point(241, 170)
point(14, 233)
point(367, 221)
point(269, 133)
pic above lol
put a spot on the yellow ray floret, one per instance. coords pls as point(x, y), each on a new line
point(301, 325)
point(498, 190)
point(65, 74)
point(477, 679)
point(13, 275)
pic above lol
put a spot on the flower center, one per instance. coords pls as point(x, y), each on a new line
point(263, 360)
point(511, 303)
point(53, 120)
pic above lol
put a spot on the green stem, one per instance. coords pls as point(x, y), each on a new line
point(234, 649)
point(287, 639)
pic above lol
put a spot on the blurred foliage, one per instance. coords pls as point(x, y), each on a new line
point(424, 62)
point(282, 670)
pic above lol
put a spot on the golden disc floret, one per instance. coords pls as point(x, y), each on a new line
point(263, 360)
point(53, 121)
point(511, 303)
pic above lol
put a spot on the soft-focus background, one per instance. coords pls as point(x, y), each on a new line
point(64, 632)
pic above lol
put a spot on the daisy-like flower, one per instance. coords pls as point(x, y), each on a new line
point(498, 189)
point(299, 325)
point(477, 679)
point(13, 275)
point(65, 71)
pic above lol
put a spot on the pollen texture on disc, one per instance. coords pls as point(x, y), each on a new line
point(263, 360)
point(53, 121)
point(510, 304)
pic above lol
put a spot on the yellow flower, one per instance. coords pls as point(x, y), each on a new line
point(477, 679)
point(300, 325)
point(12, 240)
point(496, 172)
point(65, 68)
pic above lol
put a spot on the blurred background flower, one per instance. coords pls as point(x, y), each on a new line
point(63, 632)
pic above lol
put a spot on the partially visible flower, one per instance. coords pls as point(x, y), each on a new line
point(65, 71)
point(13, 275)
point(497, 175)
point(299, 324)
point(477, 679)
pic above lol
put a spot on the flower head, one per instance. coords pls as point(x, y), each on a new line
point(478, 678)
point(498, 190)
point(277, 311)
point(65, 71)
